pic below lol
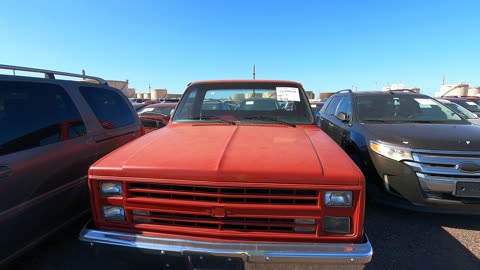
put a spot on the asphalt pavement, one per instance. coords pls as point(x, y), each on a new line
point(401, 240)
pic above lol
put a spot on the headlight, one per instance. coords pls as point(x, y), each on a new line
point(111, 212)
point(338, 198)
point(393, 152)
point(111, 188)
point(336, 224)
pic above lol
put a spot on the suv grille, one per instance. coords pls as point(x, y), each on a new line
point(437, 163)
point(439, 172)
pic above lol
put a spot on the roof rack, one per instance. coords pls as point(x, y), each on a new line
point(344, 90)
point(50, 74)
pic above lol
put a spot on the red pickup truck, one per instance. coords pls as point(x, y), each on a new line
point(248, 188)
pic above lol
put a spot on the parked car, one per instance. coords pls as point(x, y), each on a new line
point(235, 188)
point(156, 116)
point(471, 117)
point(215, 105)
point(263, 104)
point(470, 103)
point(52, 131)
point(414, 152)
point(316, 107)
point(139, 106)
point(142, 101)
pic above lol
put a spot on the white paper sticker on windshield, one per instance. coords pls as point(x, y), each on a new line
point(471, 103)
point(249, 102)
point(425, 101)
point(288, 94)
point(148, 109)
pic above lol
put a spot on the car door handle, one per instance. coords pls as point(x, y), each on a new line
point(5, 171)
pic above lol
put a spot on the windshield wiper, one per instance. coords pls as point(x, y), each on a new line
point(214, 118)
point(269, 118)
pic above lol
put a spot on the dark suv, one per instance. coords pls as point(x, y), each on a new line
point(470, 103)
point(51, 132)
point(414, 151)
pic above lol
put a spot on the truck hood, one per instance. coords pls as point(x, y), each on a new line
point(233, 153)
point(446, 137)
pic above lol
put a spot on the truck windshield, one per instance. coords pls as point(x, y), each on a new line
point(244, 103)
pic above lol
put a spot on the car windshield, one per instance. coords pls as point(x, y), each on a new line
point(403, 108)
point(244, 103)
point(471, 105)
point(461, 110)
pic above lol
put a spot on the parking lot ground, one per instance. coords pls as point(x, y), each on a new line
point(401, 240)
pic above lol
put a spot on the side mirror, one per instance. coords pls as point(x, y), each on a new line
point(343, 117)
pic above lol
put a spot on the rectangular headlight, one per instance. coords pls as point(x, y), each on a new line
point(336, 224)
point(112, 212)
point(110, 188)
point(390, 151)
point(338, 198)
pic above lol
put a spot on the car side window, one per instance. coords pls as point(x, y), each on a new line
point(109, 107)
point(332, 106)
point(36, 114)
point(344, 106)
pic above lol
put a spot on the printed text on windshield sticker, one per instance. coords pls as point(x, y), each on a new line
point(288, 94)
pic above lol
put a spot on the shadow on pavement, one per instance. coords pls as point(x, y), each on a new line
point(403, 239)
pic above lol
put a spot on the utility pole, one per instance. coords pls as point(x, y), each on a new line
point(254, 71)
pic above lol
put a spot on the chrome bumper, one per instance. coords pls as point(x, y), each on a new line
point(254, 255)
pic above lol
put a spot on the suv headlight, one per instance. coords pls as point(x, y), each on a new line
point(338, 198)
point(393, 152)
point(108, 189)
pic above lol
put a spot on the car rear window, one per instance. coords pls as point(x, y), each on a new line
point(36, 114)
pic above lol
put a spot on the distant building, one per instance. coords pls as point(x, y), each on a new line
point(457, 90)
point(400, 87)
point(310, 94)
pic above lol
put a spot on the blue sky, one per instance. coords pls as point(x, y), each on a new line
point(325, 45)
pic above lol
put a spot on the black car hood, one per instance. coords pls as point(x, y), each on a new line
point(427, 136)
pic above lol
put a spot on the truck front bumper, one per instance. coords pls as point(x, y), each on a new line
point(253, 255)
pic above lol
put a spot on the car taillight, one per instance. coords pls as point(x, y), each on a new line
point(142, 130)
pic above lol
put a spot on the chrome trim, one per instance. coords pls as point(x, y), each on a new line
point(446, 152)
point(442, 184)
point(439, 169)
point(254, 252)
point(446, 158)
point(436, 184)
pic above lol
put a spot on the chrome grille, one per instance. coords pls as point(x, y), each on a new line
point(436, 163)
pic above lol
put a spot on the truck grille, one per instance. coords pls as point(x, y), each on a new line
point(234, 212)
point(225, 223)
point(225, 194)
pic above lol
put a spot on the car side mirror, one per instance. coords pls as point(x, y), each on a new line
point(343, 117)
